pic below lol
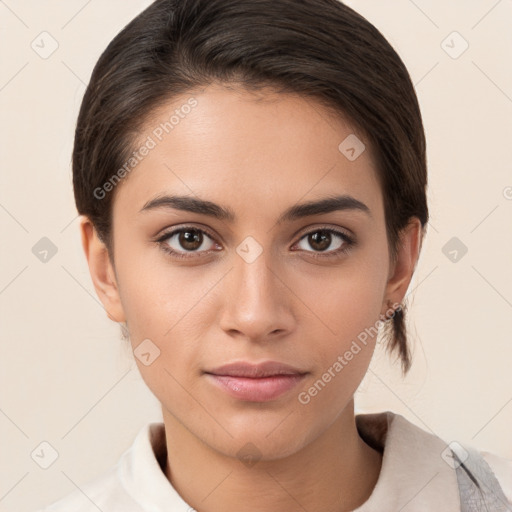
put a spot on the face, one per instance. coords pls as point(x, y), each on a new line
point(258, 283)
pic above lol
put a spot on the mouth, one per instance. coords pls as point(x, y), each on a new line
point(256, 382)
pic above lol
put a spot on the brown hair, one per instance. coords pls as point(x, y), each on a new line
point(317, 48)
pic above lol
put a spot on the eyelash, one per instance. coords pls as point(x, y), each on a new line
point(348, 242)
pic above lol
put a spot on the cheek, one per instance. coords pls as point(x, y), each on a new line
point(345, 302)
point(156, 296)
point(165, 314)
point(171, 308)
point(347, 312)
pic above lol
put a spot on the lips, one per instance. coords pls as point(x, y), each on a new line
point(265, 369)
point(256, 382)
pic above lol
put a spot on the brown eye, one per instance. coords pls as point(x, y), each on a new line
point(320, 240)
point(186, 242)
point(191, 239)
point(326, 243)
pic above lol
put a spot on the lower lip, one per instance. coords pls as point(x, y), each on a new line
point(257, 390)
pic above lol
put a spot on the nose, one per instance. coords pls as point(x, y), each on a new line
point(258, 304)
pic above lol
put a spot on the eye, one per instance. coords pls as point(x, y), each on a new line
point(193, 242)
point(321, 239)
point(185, 240)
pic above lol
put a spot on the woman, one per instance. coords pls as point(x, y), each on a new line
point(251, 177)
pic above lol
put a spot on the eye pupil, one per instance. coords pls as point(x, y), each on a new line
point(191, 239)
point(320, 240)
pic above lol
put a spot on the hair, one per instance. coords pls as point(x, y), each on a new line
point(320, 49)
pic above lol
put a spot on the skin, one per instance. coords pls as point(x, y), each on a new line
point(257, 154)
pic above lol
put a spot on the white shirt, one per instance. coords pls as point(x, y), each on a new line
point(415, 475)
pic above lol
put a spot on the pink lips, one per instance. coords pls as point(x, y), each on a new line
point(256, 382)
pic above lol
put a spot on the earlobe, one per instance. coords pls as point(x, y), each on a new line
point(402, 269)
point(101, 270)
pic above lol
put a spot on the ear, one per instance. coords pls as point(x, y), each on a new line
point(101, 270)
point(402, 269)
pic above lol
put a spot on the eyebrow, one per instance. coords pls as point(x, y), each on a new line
point(295, 212)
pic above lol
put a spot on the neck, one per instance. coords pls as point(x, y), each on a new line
point(336, 472)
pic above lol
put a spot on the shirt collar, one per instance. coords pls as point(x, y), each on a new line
point(414, 476)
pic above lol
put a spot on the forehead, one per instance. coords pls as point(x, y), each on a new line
point(252, 149)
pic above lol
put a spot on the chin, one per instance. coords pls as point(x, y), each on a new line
point(266, 440)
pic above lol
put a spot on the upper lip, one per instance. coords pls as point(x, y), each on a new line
point(260, 370)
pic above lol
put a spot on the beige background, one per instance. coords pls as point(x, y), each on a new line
point(65, 375)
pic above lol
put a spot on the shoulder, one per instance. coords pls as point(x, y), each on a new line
point(413, 456)
point(486, 474)
point(105, 492)
point(116, 490)
point(502, 469)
